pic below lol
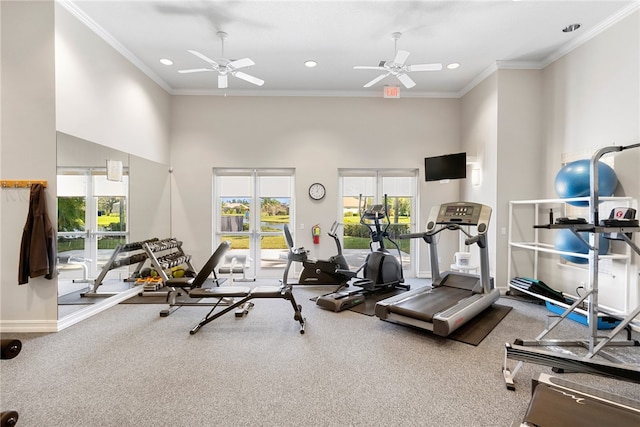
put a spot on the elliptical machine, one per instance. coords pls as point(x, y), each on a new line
point(316, 271)
point(382, 271)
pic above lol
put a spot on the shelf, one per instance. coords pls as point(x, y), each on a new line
point(544, 247)
point(602, 312)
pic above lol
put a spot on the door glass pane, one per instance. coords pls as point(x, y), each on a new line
point(399, 191)
point(71, 214)
point(357, 192)
point(112, 213)
point(253, 207)
point(235, 204)
point(275, 202)
point(235, 214)
point(71, 226)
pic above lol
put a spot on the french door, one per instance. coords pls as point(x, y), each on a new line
point(362, 188)
point(251, 208)
point(92, 217)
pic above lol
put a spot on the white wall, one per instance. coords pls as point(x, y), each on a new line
point(58, 75)
point(316, 136)
point(518, 153)
point(28, 147)
point(103, 98)
point(591, 100)
point(480, 140)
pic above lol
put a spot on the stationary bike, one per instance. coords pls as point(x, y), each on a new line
point(316, 271)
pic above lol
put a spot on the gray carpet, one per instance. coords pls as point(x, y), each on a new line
point(128, 366)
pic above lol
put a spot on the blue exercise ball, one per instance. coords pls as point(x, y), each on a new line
point(565, 241)
point(573, 181)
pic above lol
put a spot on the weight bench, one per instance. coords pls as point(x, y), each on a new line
point(224, 295)
point(179, 285)
point(245, 294)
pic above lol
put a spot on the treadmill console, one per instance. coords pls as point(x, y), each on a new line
point(460, 213)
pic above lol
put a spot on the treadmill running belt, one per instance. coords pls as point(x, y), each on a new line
point(425, 305)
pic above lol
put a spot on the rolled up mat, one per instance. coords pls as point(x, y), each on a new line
point(10, 348)
point(8, 418)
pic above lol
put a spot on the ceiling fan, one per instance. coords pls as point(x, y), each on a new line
point(224, 66)
point(398, 67)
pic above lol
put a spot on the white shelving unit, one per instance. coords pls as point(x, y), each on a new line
point(536, 246)
point(595, 342)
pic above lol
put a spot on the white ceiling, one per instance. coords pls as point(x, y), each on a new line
point(280, 35)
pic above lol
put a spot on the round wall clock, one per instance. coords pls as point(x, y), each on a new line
point(317, 191)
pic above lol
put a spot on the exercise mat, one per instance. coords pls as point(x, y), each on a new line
point(368, 307)
point(477, 329)
point(10, 348)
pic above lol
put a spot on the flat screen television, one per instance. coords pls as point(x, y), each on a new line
point(449, 166)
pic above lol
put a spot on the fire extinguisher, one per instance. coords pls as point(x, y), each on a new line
point(315, 232)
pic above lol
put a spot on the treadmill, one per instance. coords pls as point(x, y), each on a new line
point(454, 298)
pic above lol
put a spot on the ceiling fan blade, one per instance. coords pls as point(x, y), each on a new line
point(401, 57)
point(195, 70)
point(248, 78)
point(406, 80)
point(204, 58)
point(222, 81)
point(367, 67)
point(424, 67)
point(241, 63)
point(376, 80)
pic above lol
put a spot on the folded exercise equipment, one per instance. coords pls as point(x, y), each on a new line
point(555, 401)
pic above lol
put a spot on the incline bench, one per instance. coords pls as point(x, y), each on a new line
point(243, 293)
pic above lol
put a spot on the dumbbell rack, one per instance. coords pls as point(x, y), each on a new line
point(123, 255)
point(163, 255)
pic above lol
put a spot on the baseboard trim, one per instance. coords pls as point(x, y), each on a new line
point(93, 309)
point(28, 326)
point(47, 326)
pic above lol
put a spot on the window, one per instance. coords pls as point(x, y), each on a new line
point(251, 209)
point(92, 217)
point(362, 188)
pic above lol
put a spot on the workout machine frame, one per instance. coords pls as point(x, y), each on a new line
point(225, 295)
point(245, 294)
point(188, 284)
point(595, 343)
point(444, 307)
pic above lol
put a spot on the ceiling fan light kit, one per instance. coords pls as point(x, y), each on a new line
point(398, 67)
point(225, 66)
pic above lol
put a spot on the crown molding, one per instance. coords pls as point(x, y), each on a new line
point(103, 34)
point(502, 65)
point(583, 38)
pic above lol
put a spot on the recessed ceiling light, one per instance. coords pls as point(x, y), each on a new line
point(453, 66)
point(570, 28)
point(166, 61)
point(310, 63)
